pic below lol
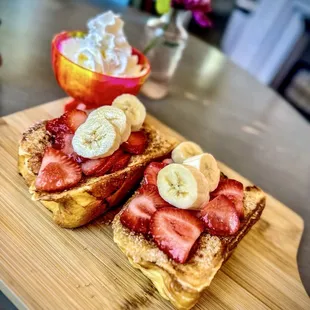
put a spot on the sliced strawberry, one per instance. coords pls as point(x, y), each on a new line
point(136, 143)
point(234, 191)
point(168, 161)
point(101, 166)
point(91, 166)
point(66, 123)
point(229, 187)
point(121, 163)
point(196, 213)
point(175, 232)
point(67, 148)
point(57, 126)
point(138, 214)
point(57, 172)
point(238, 203)
point(74, 119)
point(151, 191)
point(126, 188)
point(58, 141)
point(151, 172)
point(220, 216)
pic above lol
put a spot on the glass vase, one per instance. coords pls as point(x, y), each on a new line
point(164, 41)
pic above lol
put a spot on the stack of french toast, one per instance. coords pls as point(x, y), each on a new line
point(182, 218)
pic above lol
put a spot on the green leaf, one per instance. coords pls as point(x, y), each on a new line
point(162, 6)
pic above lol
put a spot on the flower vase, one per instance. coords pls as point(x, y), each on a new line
point(164, 41)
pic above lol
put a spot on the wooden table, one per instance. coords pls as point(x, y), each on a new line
point(213, 102)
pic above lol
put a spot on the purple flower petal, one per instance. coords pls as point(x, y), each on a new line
point(192, 5)
point(202, 19)
point(198, 5)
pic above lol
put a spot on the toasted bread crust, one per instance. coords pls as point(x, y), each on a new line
point(90, 198)
point(182, 284)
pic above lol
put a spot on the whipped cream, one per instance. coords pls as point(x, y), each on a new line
point(104, 49)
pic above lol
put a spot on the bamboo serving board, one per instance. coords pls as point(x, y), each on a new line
point(45, 266)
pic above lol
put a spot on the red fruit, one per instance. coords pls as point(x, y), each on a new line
point(67, 144)
point(151, 172)
point(175, 232)
point(92, 166)
point(101, 166)
point(124, 189)
point(238, 203)
point(234, 191)
point(58, 141)
point(151, 191)
point(136, 143)
point(66, 123)
point(57, 172)
point(67, 148)
point(220, 216)
point(74, 119)
point(168, 161)
point(138, 214)
point(121, 163)
point(57, 126)
point(196, 213)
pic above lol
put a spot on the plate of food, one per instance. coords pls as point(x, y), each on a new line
point(114, 210)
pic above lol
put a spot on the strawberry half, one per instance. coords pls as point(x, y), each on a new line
point(121, 163)
point(137, 215)
point(57, 172)
point(74, 119)
point(57, 126)
point(234, 191)
point(67, 144)
point(136, 143)
point(175, 231)
point(66, 123)
point(151, 172)
point(67, 148)
point(101, 166)
point(151, 191)
point(220, 216)
point(92, 166)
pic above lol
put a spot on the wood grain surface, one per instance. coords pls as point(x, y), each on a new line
point(49, 267)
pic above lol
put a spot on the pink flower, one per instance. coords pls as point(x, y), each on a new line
point(200, 8)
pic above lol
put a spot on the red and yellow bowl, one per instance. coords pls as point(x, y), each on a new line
point(92, 88)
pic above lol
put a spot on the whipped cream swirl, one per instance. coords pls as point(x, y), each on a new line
point(104, 49)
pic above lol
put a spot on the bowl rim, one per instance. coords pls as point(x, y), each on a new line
point(135, 51)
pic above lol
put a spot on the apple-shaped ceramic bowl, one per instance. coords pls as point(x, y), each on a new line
point(92, 88)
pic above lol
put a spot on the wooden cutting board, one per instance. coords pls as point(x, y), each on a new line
point(45, 266)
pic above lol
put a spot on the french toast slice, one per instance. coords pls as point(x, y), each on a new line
point(92, 196)
point(182, 284)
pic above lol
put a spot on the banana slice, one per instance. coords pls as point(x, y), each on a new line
point(133, 108)
point(115, 116)
point(185, 150)
point(183, 186)
point(96, 139)
point(207, 165)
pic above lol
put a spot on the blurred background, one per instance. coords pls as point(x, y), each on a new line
point(270, 39)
